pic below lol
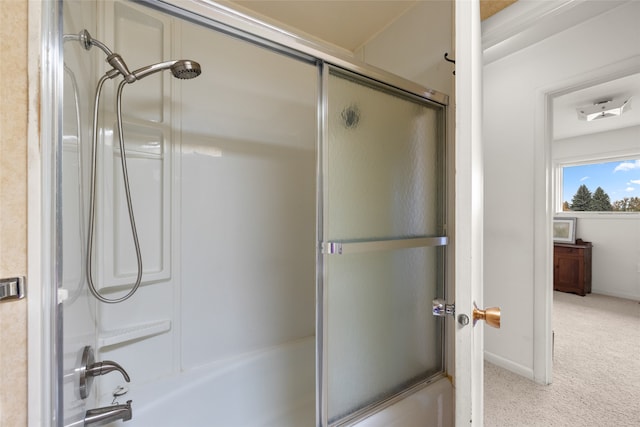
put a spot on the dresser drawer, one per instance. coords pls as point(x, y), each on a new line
point(565, 250)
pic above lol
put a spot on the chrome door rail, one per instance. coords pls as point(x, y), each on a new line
point(241, 24)
point(352, 247)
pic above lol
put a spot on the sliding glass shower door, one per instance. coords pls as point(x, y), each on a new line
point(224, 175)
point(383, 244)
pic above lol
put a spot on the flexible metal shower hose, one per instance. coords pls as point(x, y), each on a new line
point(92, 200)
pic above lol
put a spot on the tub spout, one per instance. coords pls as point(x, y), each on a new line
point(107, 414)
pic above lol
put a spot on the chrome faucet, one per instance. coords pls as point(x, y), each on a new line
point(107, 414)
point(101, 368)
point(90, 368)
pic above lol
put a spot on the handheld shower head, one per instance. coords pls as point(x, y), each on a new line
point(186, 69)
point(181, 68)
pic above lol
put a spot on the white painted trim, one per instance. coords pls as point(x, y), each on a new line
point(615, 294)
point(525, 23)
point(542, 242)
point(469, 206)
point(38, 329)
point(519, 17)
point(606, 156)
point(617, 70)
point(621, 216)
point(543, 205)
point(507, 364)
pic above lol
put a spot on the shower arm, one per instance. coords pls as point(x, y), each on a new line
point(181, 68)
point(87, 41)
point(113, 59)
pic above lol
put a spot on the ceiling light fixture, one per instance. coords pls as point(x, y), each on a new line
point(603, 109)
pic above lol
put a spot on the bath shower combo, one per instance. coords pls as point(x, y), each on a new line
point(181, 69)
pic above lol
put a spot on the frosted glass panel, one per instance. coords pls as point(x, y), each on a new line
point(382, 169)
point(248, 180)
point(382, 163)
point(382, 335)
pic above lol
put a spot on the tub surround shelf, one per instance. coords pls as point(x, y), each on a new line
point(145, 330)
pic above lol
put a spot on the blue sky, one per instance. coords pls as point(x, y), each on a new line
point(618, 179)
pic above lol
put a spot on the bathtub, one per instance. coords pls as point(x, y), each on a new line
point(273, 387)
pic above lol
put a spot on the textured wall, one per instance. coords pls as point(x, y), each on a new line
point(13, 208)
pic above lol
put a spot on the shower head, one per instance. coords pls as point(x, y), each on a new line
point(186, 69)
point(181, 68)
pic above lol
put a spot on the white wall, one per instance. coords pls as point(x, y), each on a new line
point(616, 237)
point(514, 139)
point(603, 145)
point(414, 46)
point(616, 254)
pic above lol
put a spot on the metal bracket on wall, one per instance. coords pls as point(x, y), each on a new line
point(12, 288)
point(453, 61)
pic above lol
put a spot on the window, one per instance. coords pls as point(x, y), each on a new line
point(612, 186)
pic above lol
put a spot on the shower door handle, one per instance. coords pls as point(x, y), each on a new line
point(12, 288)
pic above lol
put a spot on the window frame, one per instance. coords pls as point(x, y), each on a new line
point(558, 182)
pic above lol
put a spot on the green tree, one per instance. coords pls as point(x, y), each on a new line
point(600, 201)
point(581, 201)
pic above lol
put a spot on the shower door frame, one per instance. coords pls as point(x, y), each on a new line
point(329, 248)
point(44, 242)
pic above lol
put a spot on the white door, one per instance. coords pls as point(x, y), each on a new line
point(469, 210)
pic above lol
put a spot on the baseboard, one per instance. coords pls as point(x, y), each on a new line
point(509, 365)
point(616, 294)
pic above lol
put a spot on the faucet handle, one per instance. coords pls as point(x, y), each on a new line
point(101, 368)
point(90, 368)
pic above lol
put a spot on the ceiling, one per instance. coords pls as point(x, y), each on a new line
point(565, 119)
point(345, 23)
point(348, 24)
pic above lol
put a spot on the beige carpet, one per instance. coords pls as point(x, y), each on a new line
point(596, 370)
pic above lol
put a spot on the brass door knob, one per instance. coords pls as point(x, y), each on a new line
point(490, 315)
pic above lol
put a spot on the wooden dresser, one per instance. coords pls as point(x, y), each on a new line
point(572, 267)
